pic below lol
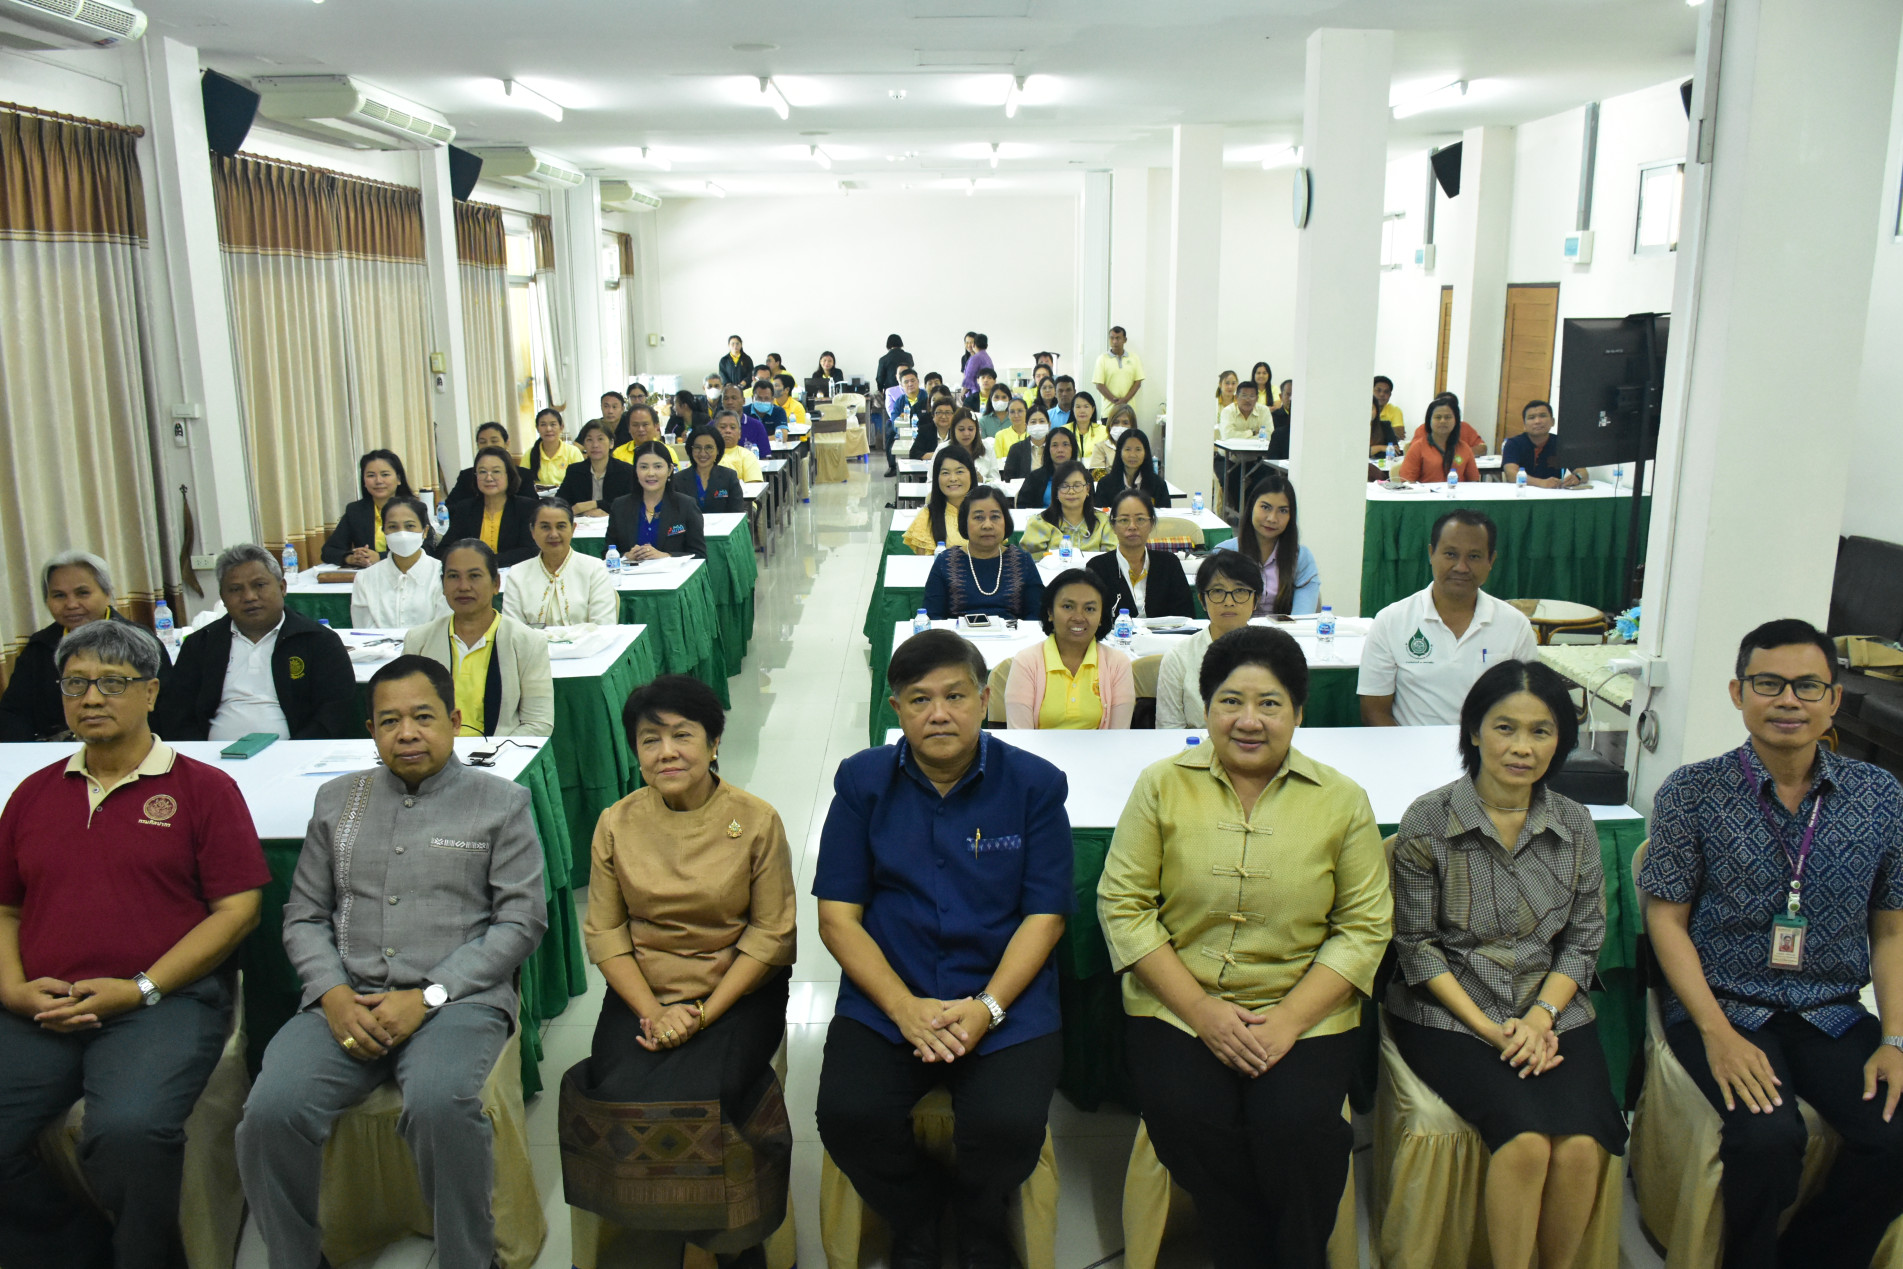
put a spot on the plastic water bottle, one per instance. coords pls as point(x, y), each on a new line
point(442, 519)
point(324, 622)
point(1453, 482)
point(1519, 484)
point(753, 449)
point(1063, 549)
point(1196, 502)
point(1325, 632)
point(290, 561)
point(1192, 741)
point(1618, 475)
point(937, 550)
point(782, 435)
point(921, 620)
point(1393, 460)
point(613, 560)
point(1125, 630)
point(163, 626)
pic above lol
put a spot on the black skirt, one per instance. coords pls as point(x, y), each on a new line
point(1572, 1099)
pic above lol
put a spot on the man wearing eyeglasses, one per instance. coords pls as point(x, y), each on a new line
point(1776, 880)
point(128, 876)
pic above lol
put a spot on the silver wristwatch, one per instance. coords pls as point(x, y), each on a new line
point(1894, 1041)
point(997, 1010)
point(435, 996)
point(148, 990)
point(1551, 1009)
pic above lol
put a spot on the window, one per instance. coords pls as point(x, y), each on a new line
point(1394, 251)
point(526, 335)
point(1661, 196)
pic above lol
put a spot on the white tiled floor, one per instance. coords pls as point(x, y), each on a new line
point(799, 707)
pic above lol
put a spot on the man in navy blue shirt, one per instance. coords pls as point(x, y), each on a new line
point(944, 881)
point(1776, 876)
point(1536, 452)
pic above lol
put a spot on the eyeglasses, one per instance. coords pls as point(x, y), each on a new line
point(75, 685)
point(1229, 596)
point(1773, 685)
point(1132, 522)
point(1073, 488)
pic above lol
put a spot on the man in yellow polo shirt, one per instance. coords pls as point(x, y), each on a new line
point(1118, 376)
point(642, 427)
point(1383, 389)
point(783, 397)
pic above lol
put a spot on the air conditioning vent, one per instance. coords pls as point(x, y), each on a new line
point(529, 168)
point(349, 112)
point(57, 24)
point(621, 196)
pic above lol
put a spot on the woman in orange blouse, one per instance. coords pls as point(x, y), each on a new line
point(1431, 455)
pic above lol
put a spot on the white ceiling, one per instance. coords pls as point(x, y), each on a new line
point(1106, 78)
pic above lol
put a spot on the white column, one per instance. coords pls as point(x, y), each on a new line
point(1337, 293)
point(449, 389)
point(579, 261)
point(1195, 270)
point(1479, 244)
point(191, 340)
point(1774, 269)
point(1093, 274)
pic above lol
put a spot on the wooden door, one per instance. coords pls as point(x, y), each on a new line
point(1526, 360)
point(1446, 340)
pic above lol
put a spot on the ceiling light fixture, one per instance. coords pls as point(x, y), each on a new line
point(971, 187)
point(1281, 156)
point(654, 159)
point(715, 190)
point(896, 94)
point(1014, 97)
point(822, 158)
point(1694, 3)
point(994, 156)
point(1444, 96)
point(521, 95)
point(770, 95)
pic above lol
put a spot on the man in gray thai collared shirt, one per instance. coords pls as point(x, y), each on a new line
point(418, 893)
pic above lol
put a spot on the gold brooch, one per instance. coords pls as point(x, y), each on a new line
point(733, 829)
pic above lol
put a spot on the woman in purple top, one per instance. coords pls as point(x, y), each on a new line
point(980, 359)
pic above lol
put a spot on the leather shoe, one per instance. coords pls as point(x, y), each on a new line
point(916, 1247)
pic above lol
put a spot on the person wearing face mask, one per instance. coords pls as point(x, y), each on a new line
point(1027, 455)
point(357, 541)
point(759, 419)
point(1133, 468)
point(1070, 515)
point(1060, 447)
point(994, 411)
point(589, 486)
point(405, 587)
point(783, 397)
point(1536, 452)
point(1071, 681)
point(1017, 429)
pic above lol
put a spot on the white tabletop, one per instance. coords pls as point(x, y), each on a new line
point(1494, 491)
point(613, 641)
point(279, 797)
point(720, 524)
point(1394, 764)
point(667, 574)
point(1246, 445)
point(772, 465)
point(752, 488)
point(1345, 654)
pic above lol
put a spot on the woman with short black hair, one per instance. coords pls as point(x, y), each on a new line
point(1069, 515)
point(1070, 681)
point(1148, 582)
point(497, 515)
point(712, 486)
point(591, 486)
point(987, 574)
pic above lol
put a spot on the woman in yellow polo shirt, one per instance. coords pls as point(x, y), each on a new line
point(1071, 681)
point(549, 461)
point(500, 666)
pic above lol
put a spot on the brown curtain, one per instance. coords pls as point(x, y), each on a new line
point(482, 256)
point(72, 390)
point(630, 307)
point(554, 351)
point(329, 300)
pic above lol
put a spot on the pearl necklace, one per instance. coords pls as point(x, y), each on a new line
point(980, 585)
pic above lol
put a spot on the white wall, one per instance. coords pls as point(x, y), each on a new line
point(1255, 310)
point(1871, 507)
point(799, 275)
point(1407, 331)
point(88, 84)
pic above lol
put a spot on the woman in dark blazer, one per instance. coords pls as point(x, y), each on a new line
point(465, 487)
point(1134, 563)
point(497, 481)
point(578, 483)
point(1132, 470)
point(654, 521)
point(1060, 447)
point(358, 538)
point(712, 487)
point(77, 589)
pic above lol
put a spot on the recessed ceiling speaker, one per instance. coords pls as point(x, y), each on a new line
point(464, 170)
point(229, 109)
point(1447, 169)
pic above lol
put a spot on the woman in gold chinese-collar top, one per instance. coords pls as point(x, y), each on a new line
point(690, 918)
point(1247, 894)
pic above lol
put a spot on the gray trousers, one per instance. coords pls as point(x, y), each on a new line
point(140, 1075)
point(308, 1081)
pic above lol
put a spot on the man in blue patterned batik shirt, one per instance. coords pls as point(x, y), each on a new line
point(1776, 877)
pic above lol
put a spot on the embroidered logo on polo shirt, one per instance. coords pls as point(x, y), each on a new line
point(1418, 647)
point(297, 667)
point(451, 843)
point(159, 809)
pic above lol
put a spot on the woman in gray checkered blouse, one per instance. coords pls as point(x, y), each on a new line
point(1498, 916)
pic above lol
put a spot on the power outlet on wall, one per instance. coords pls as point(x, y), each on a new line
point(656, 339)
point(204, 562)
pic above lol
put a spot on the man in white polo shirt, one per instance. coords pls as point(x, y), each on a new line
point(1425, 651)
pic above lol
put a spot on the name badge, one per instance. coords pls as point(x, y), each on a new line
point(1787, 941)
point(678, 528)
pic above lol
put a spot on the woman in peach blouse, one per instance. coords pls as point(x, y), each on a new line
point(1439, 448)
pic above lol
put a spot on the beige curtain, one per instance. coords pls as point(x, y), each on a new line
point(482, 256)
point(329, 311)
point(554, 354)
point(72, 395)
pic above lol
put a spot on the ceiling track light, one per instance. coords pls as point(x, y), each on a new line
point(1446, 95)
point(649, 157)
point(1014, 97)
point(770, 95)
point(715, 190)
point(994, 156)
point(822, 158)
point(527, 98)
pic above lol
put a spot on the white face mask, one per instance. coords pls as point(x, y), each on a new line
point(401, 543)
point(1040, 430)
point(1001, 406)
point(1116, 433)
point(713, 394)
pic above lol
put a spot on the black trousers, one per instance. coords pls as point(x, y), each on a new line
point(140, 1074)
point(1265, 1159)
point(1763, 1154)
point(1001, 1104)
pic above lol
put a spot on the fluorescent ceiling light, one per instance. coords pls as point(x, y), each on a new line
point(994, 156)
point(1693, 3)
point(770, 95)
point(1437, 99)
point(822, 158)
point(1280, 156)
point(1013, 97)
point(653, 158)
point(527, 98)
point(715, 190)
point(972, 188)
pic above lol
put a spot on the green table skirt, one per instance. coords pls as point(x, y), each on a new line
point(735, 570)
point(333, 607)
point(686, 623)
point(1095, 1070)
point(595, 766)
point(555, 972)
point(1549, 548)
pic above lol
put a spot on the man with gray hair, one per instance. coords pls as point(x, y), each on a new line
point(129, 874)
point(76, 587)
point(261, 667)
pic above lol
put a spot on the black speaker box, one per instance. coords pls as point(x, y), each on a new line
point(230, 108)
point(464, 170)
point(1685, 97)
point(1447, 169)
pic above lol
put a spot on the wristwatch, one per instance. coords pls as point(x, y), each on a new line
point(435, 996)
point(148, 989)
point(1894, 1041)
point(1551, 1009)
point(997, 1010)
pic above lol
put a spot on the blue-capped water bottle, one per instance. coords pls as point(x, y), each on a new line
point(939, 549)
point(1453, 482)
point(290, 561)
point(1196, 502)
point(921, 622)
point(1393, 459)
point(1063, 549)
point(1519, 483)
point(163, 626)
point(613, 560)
point(442, 519)
point(1325, 627)
point(1126, 630)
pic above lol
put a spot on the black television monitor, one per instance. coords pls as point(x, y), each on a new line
point(1608, 379)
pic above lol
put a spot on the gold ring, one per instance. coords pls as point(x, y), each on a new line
point(667, 1035)
point(350, 1042)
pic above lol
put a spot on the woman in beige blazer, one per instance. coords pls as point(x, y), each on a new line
point(500, 666)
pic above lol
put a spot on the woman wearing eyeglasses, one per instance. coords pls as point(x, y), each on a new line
point(1230, 584)
point(1150, 583)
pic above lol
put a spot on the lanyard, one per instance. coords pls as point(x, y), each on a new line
point(1777, 835)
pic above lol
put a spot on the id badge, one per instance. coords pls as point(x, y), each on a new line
point(1787, 941)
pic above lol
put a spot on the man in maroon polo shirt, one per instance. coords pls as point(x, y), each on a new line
point(128, 875)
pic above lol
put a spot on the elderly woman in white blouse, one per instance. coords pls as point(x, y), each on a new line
point(561, 586)
point(405, 587)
